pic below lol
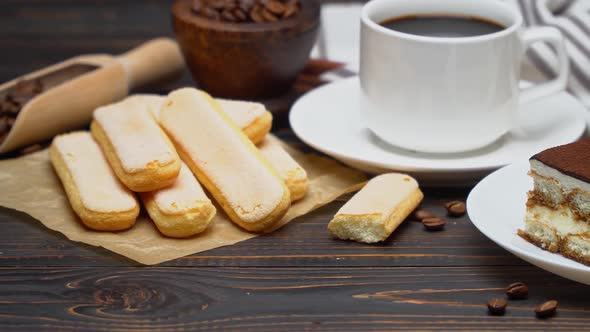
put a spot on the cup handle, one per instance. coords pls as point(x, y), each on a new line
point(554, 37)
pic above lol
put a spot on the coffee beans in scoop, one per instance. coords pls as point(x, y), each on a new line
point(13, 101)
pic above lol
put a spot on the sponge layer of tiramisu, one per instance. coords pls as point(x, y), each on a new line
point(558, 207)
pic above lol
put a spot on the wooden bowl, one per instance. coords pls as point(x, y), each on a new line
point(245, 60)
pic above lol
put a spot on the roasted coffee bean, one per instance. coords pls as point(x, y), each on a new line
point(290, 11)
point(10, 122)
point(268, 16)
point(246, 5)
point(249, 10)
point(434, 223)
point(547, 309)
point(517, 291)
point(240, 15)
point(422, 214)
point(30, 149)
point(275, 7)
point(3, 125)
point(210, 13)
point(9, 108)
point(197, 5)
point(227, 15)
point(24, 91)
point(216, 4)
point(456, 208)
point(256, 14)
point(497, 307)
point(230, 5)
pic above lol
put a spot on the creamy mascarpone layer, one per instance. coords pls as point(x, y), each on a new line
point(562, 219)
point(567, 182)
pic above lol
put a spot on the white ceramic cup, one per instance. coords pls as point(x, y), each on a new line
point(438, 94)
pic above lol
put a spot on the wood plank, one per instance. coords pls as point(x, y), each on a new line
point(304, 242)
point(281, 299)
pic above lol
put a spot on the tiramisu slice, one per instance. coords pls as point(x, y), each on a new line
point(558, 207)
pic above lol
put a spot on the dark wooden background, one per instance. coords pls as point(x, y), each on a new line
point(298, 278)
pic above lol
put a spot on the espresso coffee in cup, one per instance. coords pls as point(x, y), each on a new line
point(442, 25)
point(443, 76)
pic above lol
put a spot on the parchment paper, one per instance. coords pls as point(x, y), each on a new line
point(30, 185)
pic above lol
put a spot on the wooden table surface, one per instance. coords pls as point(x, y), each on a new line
point(297, 278)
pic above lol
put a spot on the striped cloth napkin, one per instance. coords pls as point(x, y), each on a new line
point(339, 40)
point(572, 18)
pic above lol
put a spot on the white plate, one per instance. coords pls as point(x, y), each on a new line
point(496, 207)
point(329, 119)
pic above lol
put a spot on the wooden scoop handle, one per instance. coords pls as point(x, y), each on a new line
point(154, 61)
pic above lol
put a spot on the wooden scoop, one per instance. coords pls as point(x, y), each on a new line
point(75, 87)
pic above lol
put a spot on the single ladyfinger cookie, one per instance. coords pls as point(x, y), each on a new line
point(94, 192)
point(253, 118)
point(224, 160)
point(373, 213)
point(137, 149)
point(290, 171)
point(181, 209)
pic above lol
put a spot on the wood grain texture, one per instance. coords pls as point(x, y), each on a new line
point(304, 242)
point(280, 299)
point(296, 279)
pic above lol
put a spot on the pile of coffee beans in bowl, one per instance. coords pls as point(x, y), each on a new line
point(246, 11)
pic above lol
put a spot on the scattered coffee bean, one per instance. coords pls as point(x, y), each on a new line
point(547, 309)
point(517, 291)
point(456, 208)
point(257, 11)
point(422, 214)
point(434, 223)
point(497, 307)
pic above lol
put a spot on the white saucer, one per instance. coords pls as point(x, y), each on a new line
point(329, 119)
point(496, 207)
